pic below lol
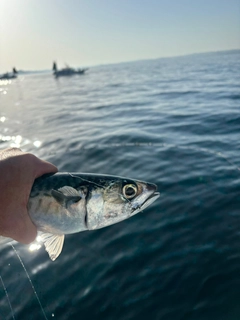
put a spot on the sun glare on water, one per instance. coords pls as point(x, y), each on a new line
point(34, 247)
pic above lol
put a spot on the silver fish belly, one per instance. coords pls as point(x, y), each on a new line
point(66, 203)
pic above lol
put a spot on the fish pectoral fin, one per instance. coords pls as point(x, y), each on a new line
point(53, 244)
point(65, 194)
point(69, 191)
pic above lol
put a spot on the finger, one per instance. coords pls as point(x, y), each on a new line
point(10, 152)
point(24, 230)
point(45, 167)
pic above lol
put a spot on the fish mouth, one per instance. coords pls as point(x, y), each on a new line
point(152, 195)
point(150, 200)
point(155, 194)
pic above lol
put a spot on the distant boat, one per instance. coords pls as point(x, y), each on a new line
point(67, 71)
point(9, 75)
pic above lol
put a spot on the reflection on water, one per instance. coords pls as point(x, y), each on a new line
point(173, 122)
point(18, 141)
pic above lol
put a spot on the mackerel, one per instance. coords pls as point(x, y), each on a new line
point(65, 203)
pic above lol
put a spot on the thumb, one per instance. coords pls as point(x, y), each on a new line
point(45, 167)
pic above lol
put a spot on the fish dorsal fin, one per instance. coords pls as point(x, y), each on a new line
point(53, 244)
point(65, 194)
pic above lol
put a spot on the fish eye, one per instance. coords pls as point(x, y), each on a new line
point(129, 191)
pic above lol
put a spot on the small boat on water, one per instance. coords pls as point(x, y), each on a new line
point(67, 71)
point(9, 75)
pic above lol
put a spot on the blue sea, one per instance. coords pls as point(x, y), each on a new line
point(174, 122)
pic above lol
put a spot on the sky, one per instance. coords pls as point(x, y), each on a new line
point(81, 33)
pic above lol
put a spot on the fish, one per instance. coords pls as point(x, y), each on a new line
point(65, 203)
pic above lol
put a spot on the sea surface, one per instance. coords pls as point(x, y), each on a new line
point(174, 122)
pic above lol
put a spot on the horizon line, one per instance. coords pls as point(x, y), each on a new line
point(138, 60)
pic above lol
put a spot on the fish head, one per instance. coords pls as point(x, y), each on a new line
point(120, 199)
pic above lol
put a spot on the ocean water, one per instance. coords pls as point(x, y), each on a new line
point(174, 122)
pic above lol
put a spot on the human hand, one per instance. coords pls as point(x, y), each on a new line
point(18, 170)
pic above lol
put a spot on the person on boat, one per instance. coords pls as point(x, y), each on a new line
point(18, 171)
point(54, 66)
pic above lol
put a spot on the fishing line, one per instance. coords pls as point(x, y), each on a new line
point(151, 145)
point(91, 182)
point(213, 152)
point(5, 290)
point(30, 281)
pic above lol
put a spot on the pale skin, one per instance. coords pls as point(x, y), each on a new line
point(18, 170)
